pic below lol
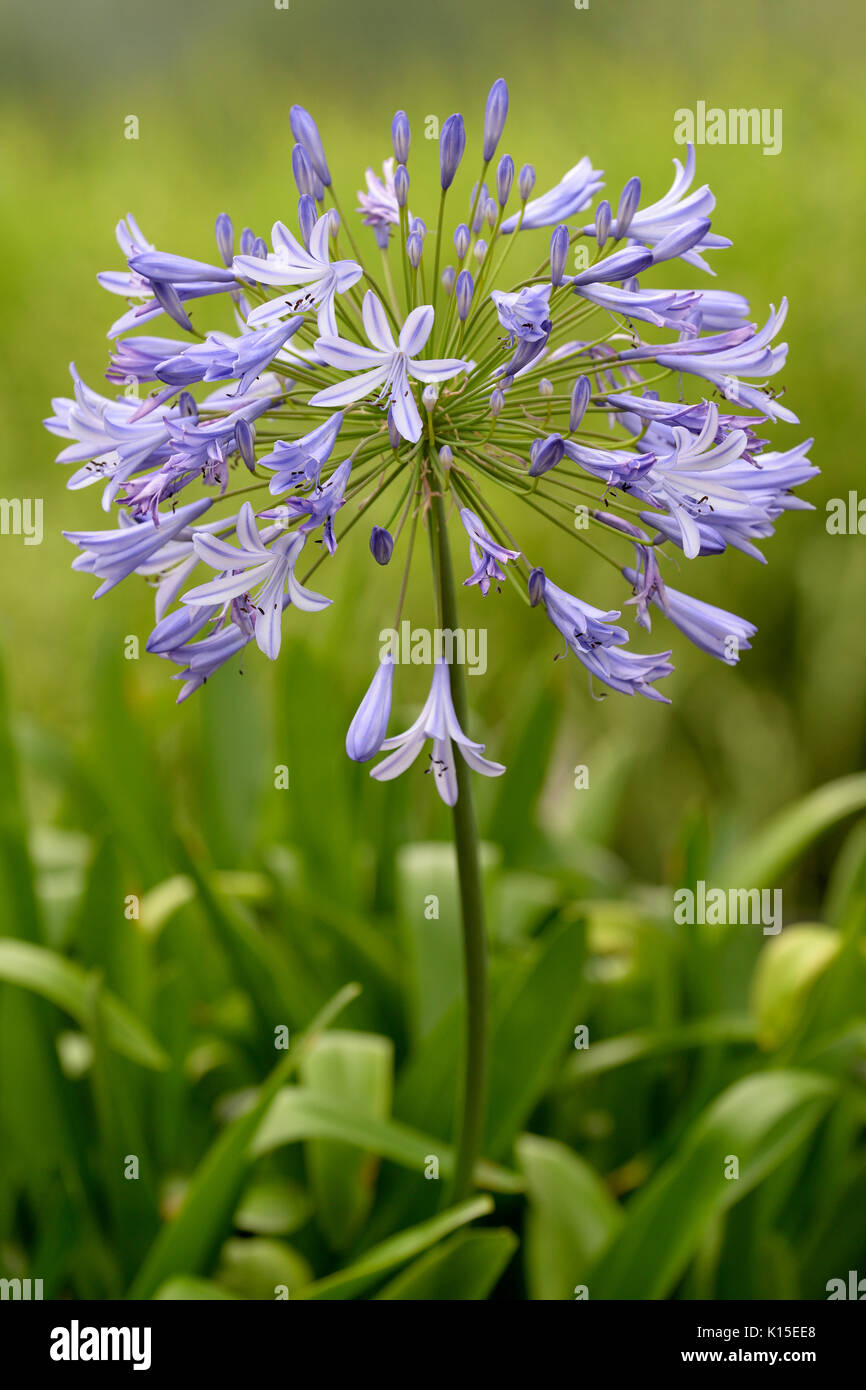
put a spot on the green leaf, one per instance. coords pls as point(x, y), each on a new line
point(429, 909)
point(356, 1278)
point(787, 968)
point(571, 1217)
point(358, 1069)
point(465, 1267)
point(298, 1113)
point(274, 1207)
point(628, 1048)
point(188, 1243)
point(67, 986)
point(261, 1268)
point(769, 852)
point(184, 1289)
point(759, 1121)
point(535, 1014)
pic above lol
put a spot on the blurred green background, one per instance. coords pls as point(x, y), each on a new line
point(121, 793)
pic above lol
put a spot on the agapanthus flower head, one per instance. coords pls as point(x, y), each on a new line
point(309, 386)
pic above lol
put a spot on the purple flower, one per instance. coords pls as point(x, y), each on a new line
point(718, 633)
point(573, 193)
point(112, 555)
point(438, 722)
point(306, 132)
point(316, 280)
point(495, 113)
point(590, 635)
point(525, 315)
point(452, 143)
point(386, 366)
point(487, 556)
point(300, 461)
point(265, 574)
point(380, 204)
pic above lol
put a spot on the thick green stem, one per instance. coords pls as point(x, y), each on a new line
point(471, 902)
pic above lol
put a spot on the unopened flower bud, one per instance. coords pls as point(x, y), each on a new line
point(400, 137)
point(302, 170)
point(461, 240)
point(225, 238)
point(494, 117)
point(429, 396)
point(545, 388)
point(536, 587)
point(558, 254)
point(504, 179)
point(479, 250)
point(526, 182)
point(603, 220)
point(497, 401)
point(414, 250)
point(381, 545)
point(446, 457)
point(464, 292)
point(545, 454)
point(401, 185)
point(245, 436)
point(452, 143)
point(306, 217)
point(449, 275)
point(580, 394)
point(627, 207)
point(306, 132)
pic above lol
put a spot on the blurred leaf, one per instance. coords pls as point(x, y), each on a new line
point(189, 1241)
point(298, 1113)
point(571, 1217)
point(429, 908)
point(183, 1288)
point(258, 1267)
point(787, 968)
point(274, 1207)
point(771, 851)
point(468, 1266)
point(758, 1121)
point(66, 985)
point(535, 1014)
point(355, 1069)
point(606, 1056)
point(356, 1278)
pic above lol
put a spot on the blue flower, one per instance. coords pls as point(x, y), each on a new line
point(437, 722)
point(573, 193)
point(486, 554)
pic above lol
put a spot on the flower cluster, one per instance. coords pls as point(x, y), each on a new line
point(410, 392)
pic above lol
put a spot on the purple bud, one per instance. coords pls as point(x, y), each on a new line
point(306, 132)
point(464, 292)
point(414, 250)
point(448, 277)
point(461, 240)
point(536, 587)
point(526, 182)
point(616, 523)
point(494, 117)
point(394, 435)
point(307, 218)
point(401, 185)
point(602, 222)
point(452, 143)
point(682, 239)
point(545, 388)
point(446, 457)
point(225, 237)
point(480, 205)
point(479, 250)
point(418, 227)
point(558, 254)
point(429, 396)
point(259, 248)
point(248, 241)
point(504, 179)
point(491, 211)
point(627, 207)
point(302, 170)
point(381, 541)
point(367, 730)
point(579, 401)
point(245, 437)
point(545, 454)
point(497, 401)
point(169, 299)
point(333, 222)
point(400, 137)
